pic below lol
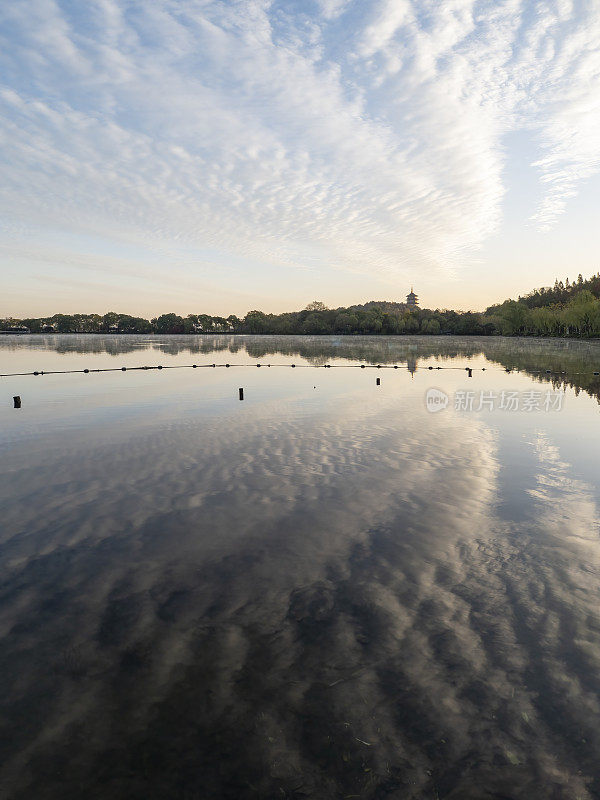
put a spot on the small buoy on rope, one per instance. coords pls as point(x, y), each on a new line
point(123, 369)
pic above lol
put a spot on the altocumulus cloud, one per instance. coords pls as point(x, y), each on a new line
point(362, 135)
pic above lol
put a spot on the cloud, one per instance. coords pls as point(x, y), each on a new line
point(371, 134)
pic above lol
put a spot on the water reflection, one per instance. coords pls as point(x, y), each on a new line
point(292, 600)
point(570, 363)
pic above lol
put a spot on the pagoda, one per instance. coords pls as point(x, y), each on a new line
point(412, 301)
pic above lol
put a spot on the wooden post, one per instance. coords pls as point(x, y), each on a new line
point(378, 381)
point(17, 401)
point(241, 394)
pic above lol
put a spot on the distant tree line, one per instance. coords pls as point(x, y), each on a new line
point(315, 319)
point(567, 309)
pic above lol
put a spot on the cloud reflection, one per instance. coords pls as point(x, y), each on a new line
point(275, 604)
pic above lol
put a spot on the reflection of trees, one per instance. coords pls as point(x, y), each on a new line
point(119, 344)
point(571, 362)
point(367, 349)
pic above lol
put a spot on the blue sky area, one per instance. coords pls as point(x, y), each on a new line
point(213, 157)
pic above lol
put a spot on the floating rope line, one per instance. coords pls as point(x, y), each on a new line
point(469, 370)
point(215, 366)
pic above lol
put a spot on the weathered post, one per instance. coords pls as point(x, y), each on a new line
point(17, 401)
point(241, 393)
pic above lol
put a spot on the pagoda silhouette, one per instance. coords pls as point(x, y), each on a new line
point(411, 299)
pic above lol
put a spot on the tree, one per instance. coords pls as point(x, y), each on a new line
point(205, 322)
point(346, 323)
point(255, 322)
point(411, 323)
point(316, 305)
point(431, 326)
point(169, 323)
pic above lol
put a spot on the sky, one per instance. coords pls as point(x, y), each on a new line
point(198, 156)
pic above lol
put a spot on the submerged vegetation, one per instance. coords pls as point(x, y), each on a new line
point(566, 309)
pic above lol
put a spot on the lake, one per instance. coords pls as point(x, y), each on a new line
point(331, 589)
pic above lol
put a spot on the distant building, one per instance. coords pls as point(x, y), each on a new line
point(411, 299)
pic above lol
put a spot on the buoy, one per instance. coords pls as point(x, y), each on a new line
point(17, 401)
point(123, 369)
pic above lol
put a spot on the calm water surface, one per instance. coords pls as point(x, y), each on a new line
point(323, 591)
